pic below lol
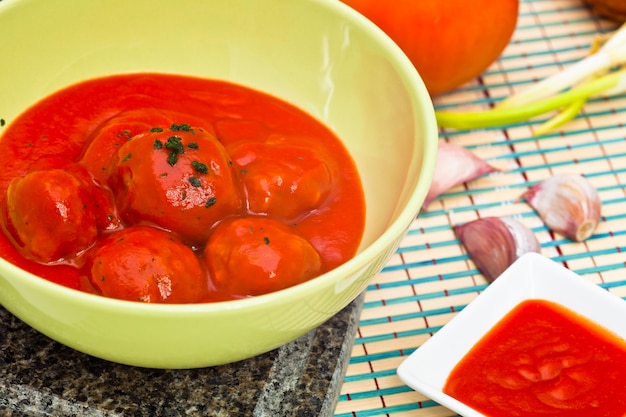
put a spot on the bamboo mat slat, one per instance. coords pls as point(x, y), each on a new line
point(430, 278)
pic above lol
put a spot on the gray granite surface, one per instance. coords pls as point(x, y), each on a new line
point(39, 377)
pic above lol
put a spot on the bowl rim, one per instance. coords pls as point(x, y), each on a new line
point(422, 107)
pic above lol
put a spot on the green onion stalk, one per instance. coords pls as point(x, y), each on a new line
point(599, 74)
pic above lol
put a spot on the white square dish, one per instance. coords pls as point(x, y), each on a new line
point(532, 276)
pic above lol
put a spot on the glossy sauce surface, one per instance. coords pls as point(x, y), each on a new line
point(175, 177)
point(543, 360)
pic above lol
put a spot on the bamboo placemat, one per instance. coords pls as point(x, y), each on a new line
point(430, 277)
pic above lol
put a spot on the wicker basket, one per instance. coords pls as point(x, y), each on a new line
point(613, 9)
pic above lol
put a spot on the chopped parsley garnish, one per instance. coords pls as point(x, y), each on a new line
point(2, 122)
point(200, 167)
point(266, 240)
point(211, 201)
point(195, 181)
point(156, 129)
point(183, 127)
point(157, 144)
point(172, 158)
point(193, 145)
point(127, 157)
point(125, 133)
point(174, 143)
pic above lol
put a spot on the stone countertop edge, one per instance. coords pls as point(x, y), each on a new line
point(40, 377)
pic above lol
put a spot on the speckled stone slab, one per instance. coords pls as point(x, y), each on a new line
point(39, 377)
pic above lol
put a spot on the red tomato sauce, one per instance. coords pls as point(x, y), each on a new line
point(543, 360)
point(168, 188)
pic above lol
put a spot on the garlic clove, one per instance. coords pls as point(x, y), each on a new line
point(568, 204)
point(455, 165)
point(494, 243)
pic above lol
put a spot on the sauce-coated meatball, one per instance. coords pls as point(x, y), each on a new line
point(145, 264)
point(257, 255)
point(101, 151)
point(281, 179)
point(51, 215)
point(180, 179)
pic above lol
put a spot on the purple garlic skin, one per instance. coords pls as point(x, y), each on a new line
point(568, 204)
point(494, 243)
point(455, 165)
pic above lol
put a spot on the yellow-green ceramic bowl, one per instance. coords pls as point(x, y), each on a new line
point(319, 55)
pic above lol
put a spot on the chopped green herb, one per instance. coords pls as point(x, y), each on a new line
point(211, 201)
point(195, 181)
point(172, 158)
point(163, 174)
point(200, 167)
point(266, 240)
point(156, 129)
point(125, 133)
point(127, 157)
point(193, 145)
point(2, 122)
point(174, 143)
point(183, 127)
point(157, 144)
